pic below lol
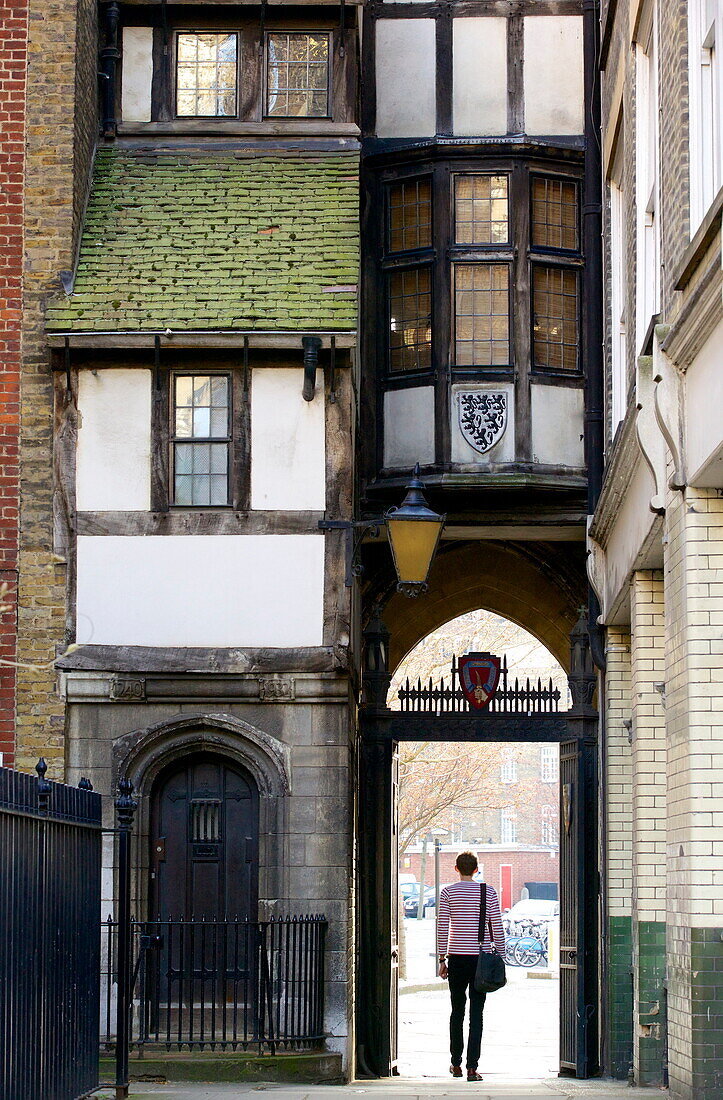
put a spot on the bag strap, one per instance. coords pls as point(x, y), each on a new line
point(483, 916)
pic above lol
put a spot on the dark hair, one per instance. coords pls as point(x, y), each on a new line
point(466, 863)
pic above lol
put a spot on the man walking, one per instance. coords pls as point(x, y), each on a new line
point(458, 947)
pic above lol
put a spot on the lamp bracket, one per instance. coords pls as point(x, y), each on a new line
point(355, 530)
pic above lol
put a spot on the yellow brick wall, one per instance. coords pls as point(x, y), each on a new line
point(618, 770)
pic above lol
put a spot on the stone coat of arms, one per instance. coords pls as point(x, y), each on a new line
point(482, 417)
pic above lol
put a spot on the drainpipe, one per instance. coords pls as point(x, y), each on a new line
point(593, 283)
point(109, 57)
point(311, 346)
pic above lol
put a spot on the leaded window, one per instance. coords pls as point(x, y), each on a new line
point(554, 214)
point(201, 439)
point(555, 310)
point(297, 75)
point(410, 319)
point(481, 210)
point(206, 75)
point(482, 315)
point(410, 215)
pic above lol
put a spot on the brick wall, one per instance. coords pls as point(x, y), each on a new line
point(61, 124)
point(527, 866)
point(13, 61)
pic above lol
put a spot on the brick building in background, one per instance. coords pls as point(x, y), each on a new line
point(13, 73)
point(656, 541)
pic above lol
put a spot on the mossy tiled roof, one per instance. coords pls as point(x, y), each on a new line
point(217, 242)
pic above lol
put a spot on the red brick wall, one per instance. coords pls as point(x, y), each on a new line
point(527, 866)
point(13, 60)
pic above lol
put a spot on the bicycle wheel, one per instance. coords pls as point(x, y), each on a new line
point(527, 952)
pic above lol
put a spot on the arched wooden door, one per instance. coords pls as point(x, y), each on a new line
point(204, 841)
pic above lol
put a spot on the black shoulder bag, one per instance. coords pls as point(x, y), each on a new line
point(490, 974)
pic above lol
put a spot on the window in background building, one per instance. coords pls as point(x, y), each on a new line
point(618, 299)
point(508, 826)
point(647, 175)
point(548, 822)
point(704, 37)
point(508, 771)
point(548, 763)
point(200, 441)
point(297, 75)
point(206, 75)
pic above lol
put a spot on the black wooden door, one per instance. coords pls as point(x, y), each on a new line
point(204, 841)
point(578, 908)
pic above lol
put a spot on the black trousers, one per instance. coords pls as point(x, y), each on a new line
point(460, 974)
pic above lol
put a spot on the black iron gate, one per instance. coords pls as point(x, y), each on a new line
point(521, 711)
point(50, 859)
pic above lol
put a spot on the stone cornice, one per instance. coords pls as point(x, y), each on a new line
point(619, 472)
point(699, 315)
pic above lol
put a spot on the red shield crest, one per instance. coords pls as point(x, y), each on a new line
point(479, 675)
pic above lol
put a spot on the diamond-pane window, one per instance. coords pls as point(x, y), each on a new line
point(201, 439)
point(410, 215)
point(555, 317)
point(481, 211)
point(554, 213)
point(410, 319)
point(482, 315)
point(297, 75)
point(206, 75)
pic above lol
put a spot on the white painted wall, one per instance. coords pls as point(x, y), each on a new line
point(627, 546)
point(288, 456)
point(201, 590)
point(480, 76)
point(703, 405)
point(406, 74)
point(462, 451)
point(409, 426)
point(136, 74)
point(558, 424)
point(553, 74)
point(114, 441)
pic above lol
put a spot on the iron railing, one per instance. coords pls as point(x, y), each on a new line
point(520, 696)
point(220, 984)
point(50, 857)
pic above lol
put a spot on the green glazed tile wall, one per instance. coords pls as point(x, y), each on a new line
point(651, 1016)
point(706, 958)
point(620, 997)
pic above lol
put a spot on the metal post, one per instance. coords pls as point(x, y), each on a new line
point(126, 807)
point(437, 846)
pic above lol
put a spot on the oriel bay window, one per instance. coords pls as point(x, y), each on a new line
point(481, 272)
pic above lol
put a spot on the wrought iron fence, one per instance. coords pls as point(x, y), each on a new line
point(220, 984)
point(50, 851)
point(520, 696)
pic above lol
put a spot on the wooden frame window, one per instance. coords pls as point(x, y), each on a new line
point(481, 315)
point(555, 313)
point(409, 225)
point(200, 440)
point(555, 214)
point(206, 75)
point(297, 74)
point(481, 210)
point(410, 319)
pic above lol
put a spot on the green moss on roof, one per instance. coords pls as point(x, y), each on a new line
point(222, 242)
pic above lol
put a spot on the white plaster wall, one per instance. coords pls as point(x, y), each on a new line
point(409, 426)
point(201, 590)
point(406, 73)
point(553, 74)
point(137, 74)
point(503, 451)
point(113, 471)
point(288, 456)
point(480, 76)
point(703, 405)
point(558, 425)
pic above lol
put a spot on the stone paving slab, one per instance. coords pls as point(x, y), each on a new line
point(551, 1089)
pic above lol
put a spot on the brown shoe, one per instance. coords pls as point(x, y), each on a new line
point(473, 1075)
point(456, 1071)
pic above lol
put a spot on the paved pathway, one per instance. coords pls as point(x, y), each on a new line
point(409, 1090)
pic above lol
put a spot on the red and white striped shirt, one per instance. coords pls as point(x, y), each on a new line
point(458, 920)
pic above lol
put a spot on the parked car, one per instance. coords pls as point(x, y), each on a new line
point(531, 911)
point(411, 902)
point(407, 887)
